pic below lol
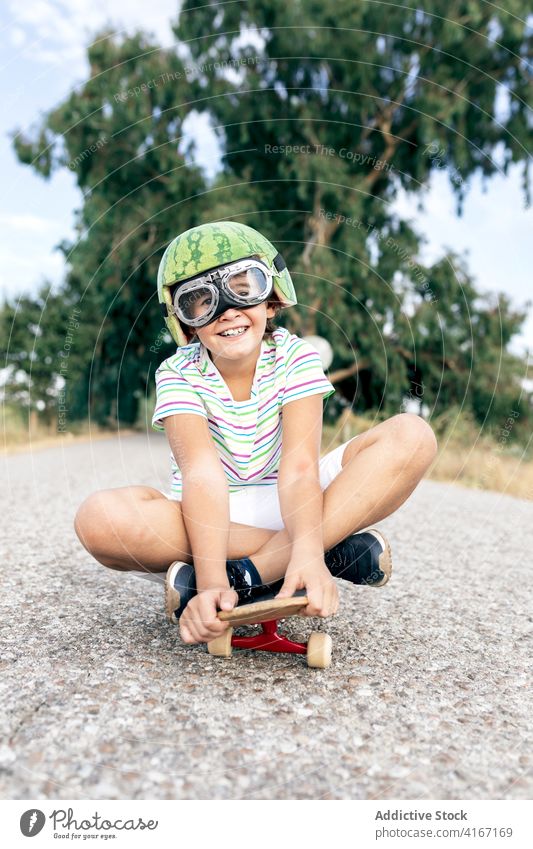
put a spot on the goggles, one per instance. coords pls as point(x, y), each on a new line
point(241, 284)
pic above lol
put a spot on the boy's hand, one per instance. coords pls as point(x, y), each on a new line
point(199, 622)
point(318, 582)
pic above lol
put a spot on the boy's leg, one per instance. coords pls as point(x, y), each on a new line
point(380, 469)
point(138, 528)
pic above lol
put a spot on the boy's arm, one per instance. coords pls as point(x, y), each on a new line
point(300, 495)
point(205, 499)
point(301, 503)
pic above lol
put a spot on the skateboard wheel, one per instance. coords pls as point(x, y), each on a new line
point(221, 646)
point(319, 650)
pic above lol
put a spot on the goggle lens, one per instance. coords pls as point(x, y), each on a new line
point(199, 301)
point(248, 285)
point(194, 304)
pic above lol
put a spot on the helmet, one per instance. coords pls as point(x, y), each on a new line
point(208, 246)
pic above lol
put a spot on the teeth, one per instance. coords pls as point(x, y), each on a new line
point(234, 332)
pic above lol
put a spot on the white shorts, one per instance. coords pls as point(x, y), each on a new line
point(258, 506)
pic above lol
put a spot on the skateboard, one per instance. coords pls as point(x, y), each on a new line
point(267, 614)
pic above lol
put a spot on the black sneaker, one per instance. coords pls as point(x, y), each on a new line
point(363, 558)
point(243, 577)
point(246, 581)
point(180, 587)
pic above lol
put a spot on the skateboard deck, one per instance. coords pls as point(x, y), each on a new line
point(264, 611)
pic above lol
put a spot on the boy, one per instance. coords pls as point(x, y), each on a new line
point(252, 507)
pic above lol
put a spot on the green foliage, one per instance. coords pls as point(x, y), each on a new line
point(45, 344)
point(119, 134)
point(369, 99)
point(338, 107)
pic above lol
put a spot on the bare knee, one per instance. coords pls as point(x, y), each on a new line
point(414, 439)
point(104, 521)
point(92, 523)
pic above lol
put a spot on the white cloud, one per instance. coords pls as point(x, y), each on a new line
point(17, 36)
point(27, 252)
point(23, 272)
point(55, 32)
point(27, 223)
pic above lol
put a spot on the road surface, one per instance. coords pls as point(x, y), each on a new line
point(427, 696)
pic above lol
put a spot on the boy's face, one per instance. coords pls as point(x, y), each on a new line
point(249, 322)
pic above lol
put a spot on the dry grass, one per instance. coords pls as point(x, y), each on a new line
point(20, 432)
point(484, 466)
point(465, 457)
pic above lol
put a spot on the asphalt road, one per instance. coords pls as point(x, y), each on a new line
point(427, 696)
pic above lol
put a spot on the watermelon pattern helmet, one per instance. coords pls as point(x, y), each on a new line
point(206, 247)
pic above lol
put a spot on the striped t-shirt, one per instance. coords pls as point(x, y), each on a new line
point(247, 434)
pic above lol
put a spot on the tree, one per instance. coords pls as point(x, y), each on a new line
point(332, 108)
point(120, 134)
point(323, 112)
point(41, 356)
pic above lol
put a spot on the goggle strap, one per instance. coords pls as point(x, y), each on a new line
point(279, 263)
point(164, 310)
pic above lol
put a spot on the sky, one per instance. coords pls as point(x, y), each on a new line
point(42, 45)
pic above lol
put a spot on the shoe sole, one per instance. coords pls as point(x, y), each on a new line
point(385, 558)
point(172, 596)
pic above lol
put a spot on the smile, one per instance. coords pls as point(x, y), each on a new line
point(237, 331)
